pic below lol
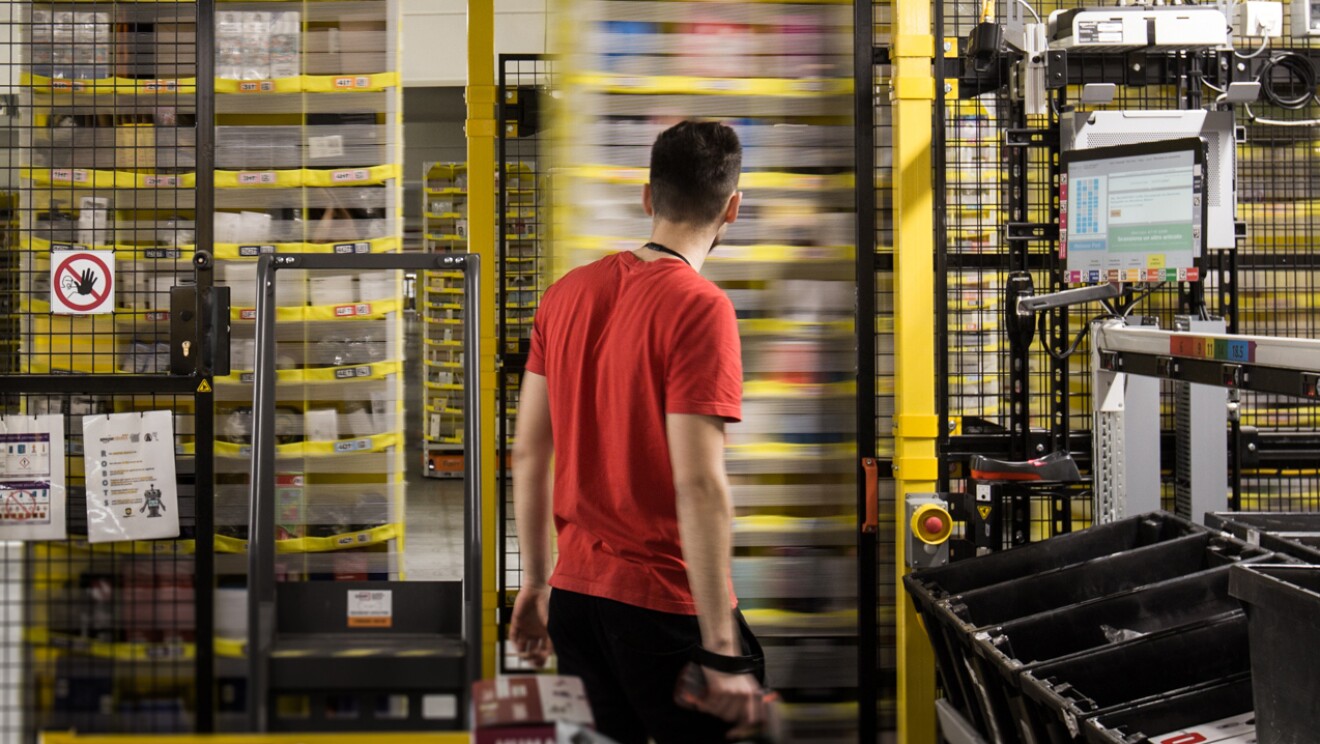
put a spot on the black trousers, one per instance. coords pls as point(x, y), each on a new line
point(629, 658)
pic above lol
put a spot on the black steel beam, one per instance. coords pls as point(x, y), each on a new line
point(99, 384)
point(1229, 375)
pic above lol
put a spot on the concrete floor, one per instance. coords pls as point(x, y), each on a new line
point(433, 519)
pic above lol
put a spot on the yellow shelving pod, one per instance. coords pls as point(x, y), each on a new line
point(781, 75)
point(440, 306)
point(309, 159)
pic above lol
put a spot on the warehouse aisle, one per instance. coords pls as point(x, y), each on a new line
point(433, 542)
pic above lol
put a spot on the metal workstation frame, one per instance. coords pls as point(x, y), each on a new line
point(1193, 359)
point(263, 613)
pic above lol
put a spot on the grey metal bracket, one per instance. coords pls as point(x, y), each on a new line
point(1031, 231)
point(1030, 137)
point(262, 616)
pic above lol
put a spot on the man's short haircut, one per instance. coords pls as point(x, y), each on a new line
point(694, 170)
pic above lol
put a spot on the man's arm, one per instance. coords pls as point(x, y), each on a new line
point(705, 523)
point(532, 452)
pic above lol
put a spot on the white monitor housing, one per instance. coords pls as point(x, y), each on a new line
point(1083, 130)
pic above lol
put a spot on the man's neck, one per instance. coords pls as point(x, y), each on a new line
point(693, 244)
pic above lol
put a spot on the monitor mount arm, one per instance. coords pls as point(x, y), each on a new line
point(1023, 304)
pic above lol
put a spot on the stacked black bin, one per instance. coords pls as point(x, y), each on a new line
point(1010, 627)
point(1295, 534)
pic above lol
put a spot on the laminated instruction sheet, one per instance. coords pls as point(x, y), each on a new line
point(32, 493)
point(132, 492)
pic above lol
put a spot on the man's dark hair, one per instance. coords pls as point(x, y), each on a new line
point(694, 170)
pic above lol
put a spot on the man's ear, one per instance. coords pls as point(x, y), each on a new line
point(646, 200)
point(731, 208)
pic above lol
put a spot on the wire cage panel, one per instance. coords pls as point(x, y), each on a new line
point(522, 208)
point(102, 152)
point(997, 188)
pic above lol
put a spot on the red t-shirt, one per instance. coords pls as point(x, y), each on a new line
point(622, 342)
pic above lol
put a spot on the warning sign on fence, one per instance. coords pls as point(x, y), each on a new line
point(82, 282)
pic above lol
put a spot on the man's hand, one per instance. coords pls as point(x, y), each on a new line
point(735, 698)
point(527, 629)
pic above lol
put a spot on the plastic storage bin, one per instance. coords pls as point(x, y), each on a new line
point(1206, 715)
point(1098, 577)
point(1283, 620)
point(952, 646)
point(1296, 534)
point(1003, 652)
point(1059, 696)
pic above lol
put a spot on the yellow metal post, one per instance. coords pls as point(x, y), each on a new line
point(915, 423)
point(480, 94)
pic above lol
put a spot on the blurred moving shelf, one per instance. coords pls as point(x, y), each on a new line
point(444, 210)
point(782, 76)
point(308, 157)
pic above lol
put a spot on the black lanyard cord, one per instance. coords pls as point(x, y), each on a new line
point(670, 251)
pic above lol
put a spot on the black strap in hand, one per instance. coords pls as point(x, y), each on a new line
point(728, 664)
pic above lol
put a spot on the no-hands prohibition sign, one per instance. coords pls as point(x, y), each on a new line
point(82, 282)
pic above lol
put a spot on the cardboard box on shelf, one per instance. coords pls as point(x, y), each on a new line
point(174, 50)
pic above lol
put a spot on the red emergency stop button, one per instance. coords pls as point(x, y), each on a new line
point(931, 524)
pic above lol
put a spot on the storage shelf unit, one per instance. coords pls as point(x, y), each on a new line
point(444, 209)
point(309, 159)
point(444, 221)
point(781, 74)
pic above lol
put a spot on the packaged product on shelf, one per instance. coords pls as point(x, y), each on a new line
point(284, 43)
point(229, 45)
point(330, 289)
point(41, 37)
point(322, 424)
point(256, 45)
point(358, 420)
point(290, 506)
point(94, 221)
point(325, 147)
point(90, 42)
point(384, 411)
point(377, 285)
point(62, 66)
point(135, 147)
point(254, 227)
point(146, 357)
point(178, 232)
point(174, 48)
point(241, 278)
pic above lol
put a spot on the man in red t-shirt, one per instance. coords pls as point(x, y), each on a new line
point(634, 369)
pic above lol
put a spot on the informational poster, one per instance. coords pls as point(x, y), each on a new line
point(132, 492)
point(32, 493)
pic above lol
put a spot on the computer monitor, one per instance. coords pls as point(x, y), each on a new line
point(1133, 213)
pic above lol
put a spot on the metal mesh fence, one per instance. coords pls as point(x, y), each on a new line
point(998, 190)
point(98, 129)
point(522, 235)
point(99, 637)
point(886, 634)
